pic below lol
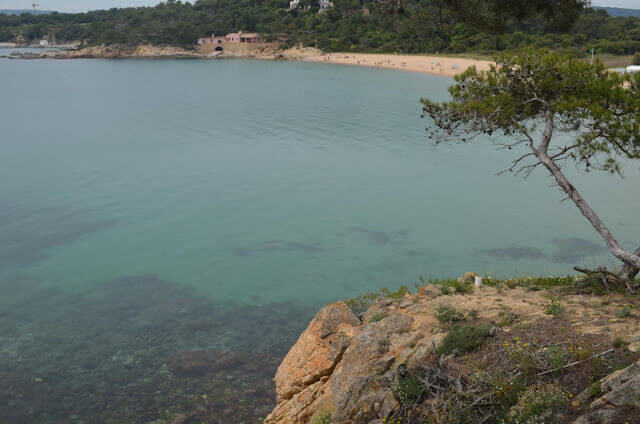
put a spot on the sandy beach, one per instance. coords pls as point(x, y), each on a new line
point(439, 65)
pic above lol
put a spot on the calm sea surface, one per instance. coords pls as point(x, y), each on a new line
point(153, 209)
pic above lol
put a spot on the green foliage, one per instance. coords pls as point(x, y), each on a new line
point(464, 339)
point(446, 286)
point(383, 346)
point(395, 295)
point(377, 317)
point(539, 400)
point(506, 387)
point(532, 282)
point(360, 304)
point(619, 343)
point(446, 291)
point(554, 308)
point(493, 15)
point(507, 318)
point(598, 110)
point(636, 58)
point(557, 357)
point(624, 312)
point(523, 355)
point(448, 314)
point(408, 389)
point(322, 416)
point(595, 390)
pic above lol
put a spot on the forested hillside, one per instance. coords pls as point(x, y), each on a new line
point(618, 11)
point(419, 26)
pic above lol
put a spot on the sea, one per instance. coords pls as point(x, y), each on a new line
point(168, 227)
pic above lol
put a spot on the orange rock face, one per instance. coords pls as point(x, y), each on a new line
point(350, 367)
point(331, 365)
point(301, 377)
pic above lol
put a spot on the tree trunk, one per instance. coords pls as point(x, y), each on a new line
point(627, 272)
point(632, 260)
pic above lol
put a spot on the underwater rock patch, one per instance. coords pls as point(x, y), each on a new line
point(200, 362)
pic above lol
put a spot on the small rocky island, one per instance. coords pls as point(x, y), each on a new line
point(516, 351)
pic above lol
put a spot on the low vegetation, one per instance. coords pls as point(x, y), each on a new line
point(554, 308)
point(464, 339)
point(447, 314)
point(323, 416)
point(377, 317)
point(511, 369)
point(538, 402)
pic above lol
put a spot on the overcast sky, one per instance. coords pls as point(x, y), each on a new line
point(84, 5)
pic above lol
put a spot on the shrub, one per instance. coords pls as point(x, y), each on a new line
point(539, 400)
point(523, 355)
point(408, 389)
point(557, 357)
point(595, 390)
point(377, 317)
point(460, 287)
point(383, 346)
point(506, 388)
point(535, 283)
point(446, 290)
point(464, 339)
point(360, 304)
point(507, 318)
point(636, 58)
point(395, 295)
point(554, 308)
point(448, 314)
point(618, 343)
point(624, 312)
point(322, 416)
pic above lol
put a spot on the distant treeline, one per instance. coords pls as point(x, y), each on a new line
point(352, 25)
point(618, 11)
point(21, 11)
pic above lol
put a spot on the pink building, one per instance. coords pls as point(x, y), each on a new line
point(240, 37)
point(211, 40)
point(232, 37)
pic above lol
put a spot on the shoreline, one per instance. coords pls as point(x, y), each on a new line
point(435, 65)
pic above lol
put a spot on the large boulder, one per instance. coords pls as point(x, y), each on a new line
point(301, 377)
point(360, 389)
point(620, 399)
point(349, 367)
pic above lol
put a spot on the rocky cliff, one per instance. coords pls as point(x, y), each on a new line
point(388, 365)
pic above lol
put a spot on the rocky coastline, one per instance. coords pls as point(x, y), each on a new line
point(115, 52)
point(403, 357)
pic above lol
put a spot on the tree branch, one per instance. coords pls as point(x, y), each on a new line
point(613, 245)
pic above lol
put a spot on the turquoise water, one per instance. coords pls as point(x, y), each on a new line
point(253, 191)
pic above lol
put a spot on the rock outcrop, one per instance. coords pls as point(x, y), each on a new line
point(301, 379)
point(353, 367)
point(118, 51)
point(619, 401)
point(347, 366)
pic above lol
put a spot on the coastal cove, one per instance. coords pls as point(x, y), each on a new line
point(435, 64)
point(152, 208)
